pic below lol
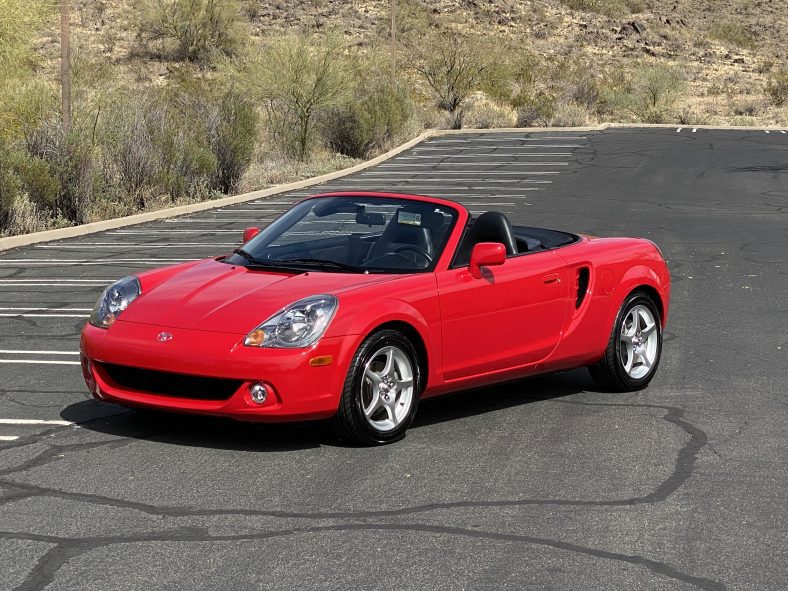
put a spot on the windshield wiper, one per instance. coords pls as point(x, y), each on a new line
point(246, 254)
point(324, 264)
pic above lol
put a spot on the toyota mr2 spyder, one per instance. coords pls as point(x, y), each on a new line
point(356, 306)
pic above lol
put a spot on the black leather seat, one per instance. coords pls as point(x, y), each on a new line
point(491, 226)
point(398, 234)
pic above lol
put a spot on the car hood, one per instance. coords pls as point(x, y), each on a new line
point(218, 297)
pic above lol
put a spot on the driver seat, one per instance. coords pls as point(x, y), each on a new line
point(396, 235)
point(491, 226)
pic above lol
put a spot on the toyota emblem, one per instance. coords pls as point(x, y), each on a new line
point(163, 337)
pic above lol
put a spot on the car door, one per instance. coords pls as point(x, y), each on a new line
point(511, 316)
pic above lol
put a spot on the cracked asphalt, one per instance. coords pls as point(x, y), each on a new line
point(546, 483)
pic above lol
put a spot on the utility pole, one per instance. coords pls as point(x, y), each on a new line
point(65, 64)
point(393, 41)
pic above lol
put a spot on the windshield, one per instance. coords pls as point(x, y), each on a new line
point(353, 234)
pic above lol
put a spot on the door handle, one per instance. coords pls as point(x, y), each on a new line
point(553, 279)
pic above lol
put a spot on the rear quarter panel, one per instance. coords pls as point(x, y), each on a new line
point(617, 266)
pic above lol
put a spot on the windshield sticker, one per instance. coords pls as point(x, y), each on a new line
point(406, 217)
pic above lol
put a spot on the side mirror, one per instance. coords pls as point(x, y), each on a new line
point(486, 254)
point(250, 233)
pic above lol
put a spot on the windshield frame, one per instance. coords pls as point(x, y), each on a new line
point(294, 215)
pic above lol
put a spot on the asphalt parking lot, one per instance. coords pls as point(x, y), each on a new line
point(541, 484)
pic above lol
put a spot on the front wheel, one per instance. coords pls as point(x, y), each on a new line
point(634, 349)
point(381, 390)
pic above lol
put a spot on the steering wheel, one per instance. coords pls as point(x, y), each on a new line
point(418, 250)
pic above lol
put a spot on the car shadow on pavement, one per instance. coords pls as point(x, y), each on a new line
point(492, 398)
point(219, 433)
point(195, 430)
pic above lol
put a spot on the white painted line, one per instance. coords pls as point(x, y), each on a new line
point(50, 309)
point(442, 173)
point(507, 164)
point(168, 231)
point(497, 149)
point(213, 221)
point(20, 352)
point(57, 279)
point(694, 130)
point(37, 362)
point(783, 131)
point(163, 259)
point(232, 210)
point(27, 315)
point(133, 246)
point(9, 437)
point(33, 422)
point(529, 155)
point(404, 183)
point(679, 130)
point(767, 131)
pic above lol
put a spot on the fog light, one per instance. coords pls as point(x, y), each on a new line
point(258, 393)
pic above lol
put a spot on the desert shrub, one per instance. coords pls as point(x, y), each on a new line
point(513, 77)
point(777, 88)
point(452, 65)
point(482, 113)
point(233, 139)
point(538, 112)
point(10, 186)
point(298, 80)
point(648, 93)
point(569, 115)
point(19, 20)
point(194, 30)
point(732, 33)
point(377, 114)
point(691, 116)
point(610, 8)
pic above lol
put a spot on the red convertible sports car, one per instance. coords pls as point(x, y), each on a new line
point(355, 306)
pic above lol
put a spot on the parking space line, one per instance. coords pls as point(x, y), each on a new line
point(507, 164)
point(78, 246)
point(38, 362)
point(29, 352)
point(34, 422)
point(50, 309)
point(9, 437)
point(451, 156)
point(35, 315)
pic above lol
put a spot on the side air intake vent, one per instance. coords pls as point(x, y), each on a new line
point(583, 274)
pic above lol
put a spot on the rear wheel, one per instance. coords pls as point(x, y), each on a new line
point(381, 391)
point(634, 349)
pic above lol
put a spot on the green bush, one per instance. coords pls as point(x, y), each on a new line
point(378, 114)
point(732, 33)
point(233, 140)
point(537, 112)
point(777, 88)
point(610, 8)
point(452, 65)
point(298, 80)
point(194, 30)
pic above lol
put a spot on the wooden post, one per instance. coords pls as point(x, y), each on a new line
point(65, 64)
point(393, 41)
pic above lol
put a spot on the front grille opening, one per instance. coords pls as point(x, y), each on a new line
point(583, 275)
point(171, 384)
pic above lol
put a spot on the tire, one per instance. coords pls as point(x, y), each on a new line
point(634, 350)
point(381, 391)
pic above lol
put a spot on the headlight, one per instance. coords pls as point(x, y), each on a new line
point(299, 325)
point(114, 300)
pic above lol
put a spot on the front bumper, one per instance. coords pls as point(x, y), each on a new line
point(298, 391)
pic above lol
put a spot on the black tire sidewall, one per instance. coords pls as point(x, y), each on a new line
point(635, 299)
point(368, 347)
